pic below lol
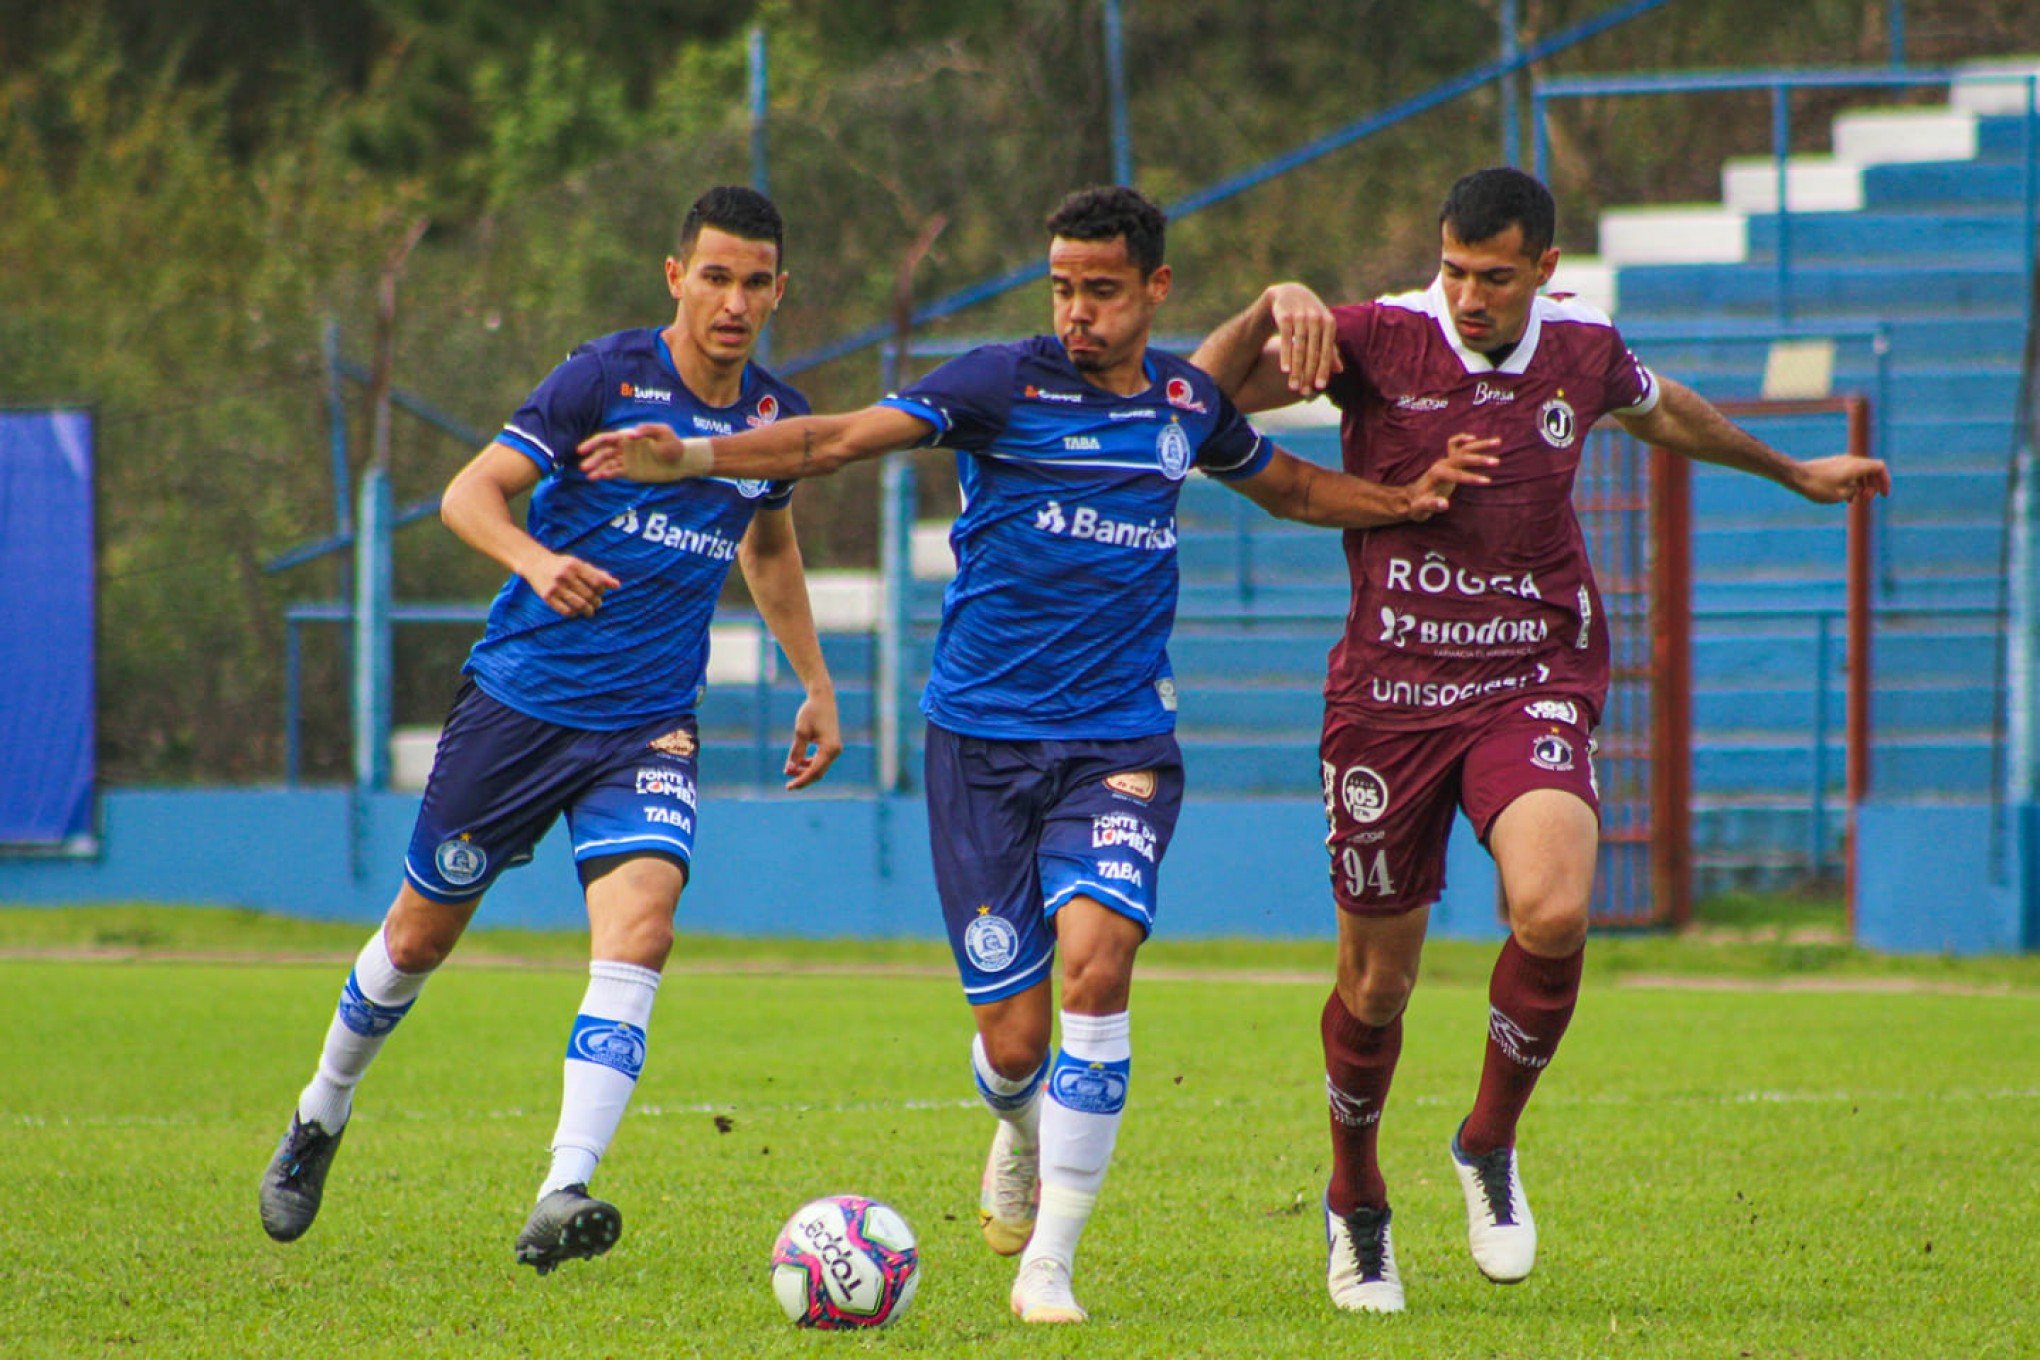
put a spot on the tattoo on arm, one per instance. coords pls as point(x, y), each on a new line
point(807, 449)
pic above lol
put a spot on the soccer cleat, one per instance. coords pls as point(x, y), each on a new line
point(1010, 1194)
point(1499, 1228)
point(1360, 1268)
point(568, 1225)
point(296, 1179)
point(1041, 1293)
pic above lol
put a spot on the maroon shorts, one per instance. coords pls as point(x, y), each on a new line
point(1389, 795)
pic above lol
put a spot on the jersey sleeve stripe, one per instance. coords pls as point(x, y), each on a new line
point(531, 443)
point(1254, 463)
point(921, 410)
point(1649, 400)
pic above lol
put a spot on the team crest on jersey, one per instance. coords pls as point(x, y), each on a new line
point(1136, 784)
point(751, 488)
point(768, 411)
point(990, 942)
point(1172, 449)
point(460, 861)
point(1364, 794)
point(1557, 423)
point(1165, 691)
point(1551, 752)
point(678, 742)
point(1180, 393)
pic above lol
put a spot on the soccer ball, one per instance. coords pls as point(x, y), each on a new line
point(845, 1261)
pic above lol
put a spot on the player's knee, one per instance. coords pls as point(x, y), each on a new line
point(1550, 927)
point(1016, 1051)
point(1378, 996)
point(417, 943)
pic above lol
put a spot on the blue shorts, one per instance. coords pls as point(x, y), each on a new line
point(1020, 827)
point(500, 777)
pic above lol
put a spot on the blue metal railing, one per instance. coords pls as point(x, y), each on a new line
point(1780, 85)
point(1232, 186)
point(763, 748)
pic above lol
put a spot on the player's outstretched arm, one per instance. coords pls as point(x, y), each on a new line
point(770, 559)
point(476, 506)
point(1291, 488)
point(807, 446)
point(1283, 348)
point(1686, 423)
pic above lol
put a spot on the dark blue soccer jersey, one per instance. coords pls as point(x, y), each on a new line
point(1057, 623)
point(644, 653)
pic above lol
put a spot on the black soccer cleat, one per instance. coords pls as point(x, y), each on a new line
point(568, 1225)
point(296, 1179)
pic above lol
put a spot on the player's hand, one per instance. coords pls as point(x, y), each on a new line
point(569, 585)
point(1309, 336)
point(1844, 477)
point(641, 453)
point(1465, 456)
point(817, 740)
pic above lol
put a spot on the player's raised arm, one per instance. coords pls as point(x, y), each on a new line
point(476, 506)
point(808, 446)
point(1686, 423)
point(1283, 348)
point(771, 562)
point(1292, 488)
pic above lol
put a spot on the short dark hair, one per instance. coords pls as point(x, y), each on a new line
point(738, 211)
point(1108, 210)
point(1486, 203)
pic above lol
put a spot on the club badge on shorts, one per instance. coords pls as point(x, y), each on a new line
point(460, 861)
point(990, 942)
point(1551, 751)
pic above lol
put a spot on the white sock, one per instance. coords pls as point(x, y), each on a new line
point(605, 1053)
point(376, 996)
point(1016, 1102)
point(1079, 1123)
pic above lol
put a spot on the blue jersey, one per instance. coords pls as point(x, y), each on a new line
point(1057, 623)
point(644, 653)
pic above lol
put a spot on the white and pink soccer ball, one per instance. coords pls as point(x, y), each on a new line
point(845, 1261)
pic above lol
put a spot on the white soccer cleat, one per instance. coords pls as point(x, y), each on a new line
point(1360, 1268)
point(1009, 1197)
point(1499, 1228)
point(1042, 1293)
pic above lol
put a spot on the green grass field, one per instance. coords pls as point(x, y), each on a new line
point(1767, 1171)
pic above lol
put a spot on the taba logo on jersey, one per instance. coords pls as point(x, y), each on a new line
point(1557, 423)
point(767, 412)
point(1182, 395)
point(663, 395)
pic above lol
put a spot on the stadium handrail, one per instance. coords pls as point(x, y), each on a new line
point(1781, 84)
point(1231, 186)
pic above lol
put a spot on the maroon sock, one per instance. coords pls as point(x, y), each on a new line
point(1530, 1002)
point(1359, 1064)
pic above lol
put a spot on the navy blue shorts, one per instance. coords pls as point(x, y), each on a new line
point(1020, 827)
point(500, 777)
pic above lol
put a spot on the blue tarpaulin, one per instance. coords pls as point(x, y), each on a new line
point(47, 739)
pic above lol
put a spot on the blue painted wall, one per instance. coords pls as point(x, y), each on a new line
point(1948, 879)
point(764, 866)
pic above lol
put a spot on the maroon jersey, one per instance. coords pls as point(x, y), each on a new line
point(1494, 598)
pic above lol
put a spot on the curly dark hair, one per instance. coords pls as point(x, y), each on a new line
point(1108, 210)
